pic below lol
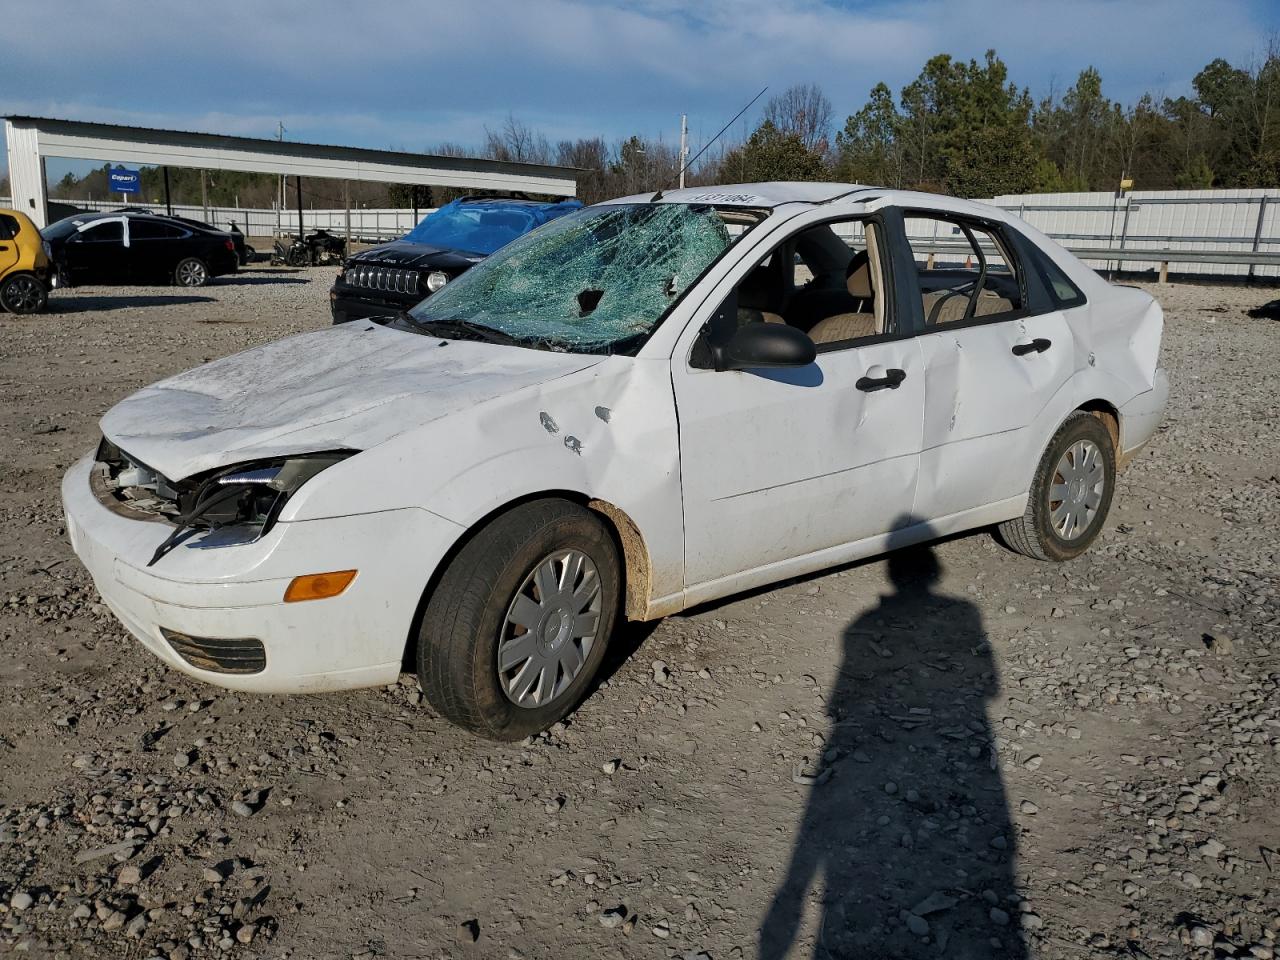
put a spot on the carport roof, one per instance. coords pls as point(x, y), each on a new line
point(81, 139)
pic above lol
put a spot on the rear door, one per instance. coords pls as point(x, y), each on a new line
point(155, 247)
point(9, 228)
point(97, 254)
point(991, 361)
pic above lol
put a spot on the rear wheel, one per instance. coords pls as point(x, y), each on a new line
point(191, 272)
point(23, 293)
point(1070, 494)
point(517, 627)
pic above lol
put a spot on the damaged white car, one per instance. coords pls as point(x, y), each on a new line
point(641, 406)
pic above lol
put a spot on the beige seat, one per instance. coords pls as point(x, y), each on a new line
point(951, 306)
point(859, 323)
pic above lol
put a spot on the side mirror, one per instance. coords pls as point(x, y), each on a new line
point(765, 345)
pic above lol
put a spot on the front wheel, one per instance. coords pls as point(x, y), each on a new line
point(191, 272)
point(517, 627)
point(1070, 494)
point(23, 293)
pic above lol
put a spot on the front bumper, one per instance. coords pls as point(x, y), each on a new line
point(207, 588)
point(348, 303)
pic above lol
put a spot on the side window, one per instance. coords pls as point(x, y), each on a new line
point(965, 270)
point(152, 230)
point(826, 280)
point(112, 231)
point(1062, 291)
point(8, 227)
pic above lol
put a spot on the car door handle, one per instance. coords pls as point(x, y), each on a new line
point(3, 246)
point(878, 378)
point(1038, 345)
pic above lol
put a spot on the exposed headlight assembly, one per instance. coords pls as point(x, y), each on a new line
point(436, 279)
point(249, 495)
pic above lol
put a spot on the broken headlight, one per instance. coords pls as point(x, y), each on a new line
point(249, 495)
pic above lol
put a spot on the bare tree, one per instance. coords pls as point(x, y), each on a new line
point(591, 156)
point(516, 141)
point(805, 111)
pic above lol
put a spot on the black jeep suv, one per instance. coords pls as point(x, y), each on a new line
point(395, 276)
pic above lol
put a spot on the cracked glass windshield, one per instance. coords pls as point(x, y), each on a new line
point(598, 280)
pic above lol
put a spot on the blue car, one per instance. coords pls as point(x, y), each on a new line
point(396, 276)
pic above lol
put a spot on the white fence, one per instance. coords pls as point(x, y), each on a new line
point(1194, 220)
point(367, 224)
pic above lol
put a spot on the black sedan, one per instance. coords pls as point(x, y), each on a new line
point(131, 248)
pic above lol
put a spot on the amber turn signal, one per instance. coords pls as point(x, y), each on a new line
point(318, 586)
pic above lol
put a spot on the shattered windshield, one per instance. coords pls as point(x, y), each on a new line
point(479, 227)
point(589, 280)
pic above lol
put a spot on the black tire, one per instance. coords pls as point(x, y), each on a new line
point(23, 293)
point(1034, 534)
point(466, 617)
point(191, 272)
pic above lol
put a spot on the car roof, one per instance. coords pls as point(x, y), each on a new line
point(749, 194)
point(512, 201)
point(776, 193)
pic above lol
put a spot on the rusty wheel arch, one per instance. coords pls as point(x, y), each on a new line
point(1110, 417)
point(636, 576)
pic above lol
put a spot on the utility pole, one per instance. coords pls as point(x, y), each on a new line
point(204, 193)
point(280, 191)
point(684, 145)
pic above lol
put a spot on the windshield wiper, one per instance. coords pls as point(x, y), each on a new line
point(454, 327)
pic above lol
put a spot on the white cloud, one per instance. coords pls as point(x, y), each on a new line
point(404, 73)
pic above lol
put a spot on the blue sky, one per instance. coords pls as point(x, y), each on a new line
point(407, 75)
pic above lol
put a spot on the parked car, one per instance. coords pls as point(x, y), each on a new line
point(645, 405)
point(24, 264)
point(131, 248)
point(395, 276)
point(244, 253)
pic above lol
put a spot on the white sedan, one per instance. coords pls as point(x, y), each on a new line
point(639, 407)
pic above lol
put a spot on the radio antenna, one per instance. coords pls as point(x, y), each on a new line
point(722, 130)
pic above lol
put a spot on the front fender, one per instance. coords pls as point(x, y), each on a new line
point(608, 433)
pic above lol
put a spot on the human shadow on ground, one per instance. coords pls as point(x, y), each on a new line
point(906, 841)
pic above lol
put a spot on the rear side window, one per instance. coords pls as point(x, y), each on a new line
point(8, 227)
point(154, 230)
point(964, 268)
point(1061, 290)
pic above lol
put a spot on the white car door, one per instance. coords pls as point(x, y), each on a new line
point(779, 464)
point(990, 365)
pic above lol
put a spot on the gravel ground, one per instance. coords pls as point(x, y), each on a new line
point(957, 752)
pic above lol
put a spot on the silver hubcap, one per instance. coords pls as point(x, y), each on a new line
point(550, 629)
point(23, 294)
point(1076, 490)
point(191, 274)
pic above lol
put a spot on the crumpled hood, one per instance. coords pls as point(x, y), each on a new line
point(350, 386)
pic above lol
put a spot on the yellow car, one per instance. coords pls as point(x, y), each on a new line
point(24, 264)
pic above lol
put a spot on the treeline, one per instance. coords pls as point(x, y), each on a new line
point(960, 127)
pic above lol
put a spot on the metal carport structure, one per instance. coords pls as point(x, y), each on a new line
point(31, 139)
